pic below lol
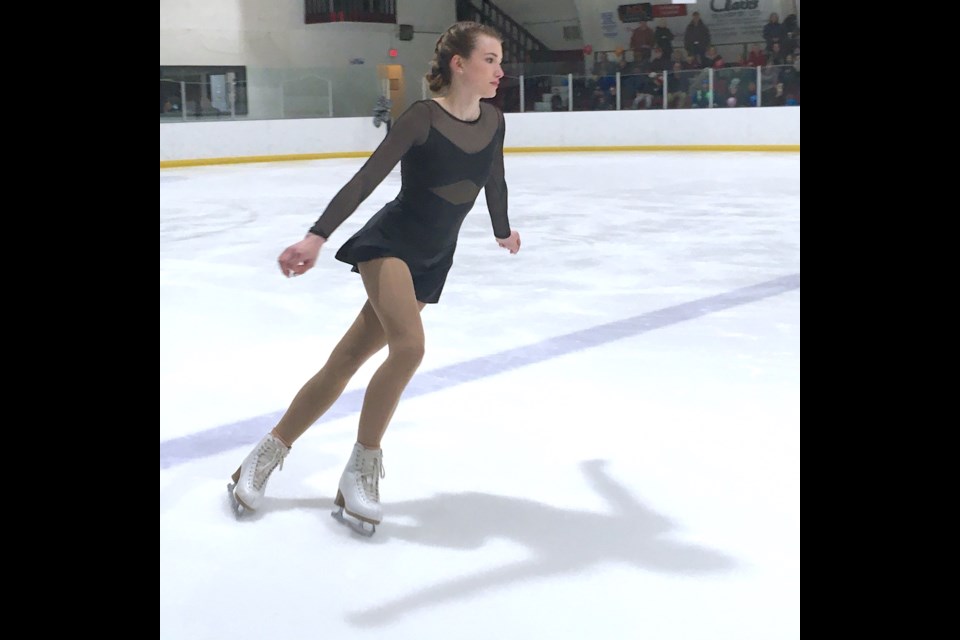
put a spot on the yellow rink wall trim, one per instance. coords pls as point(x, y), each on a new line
point(167, 164)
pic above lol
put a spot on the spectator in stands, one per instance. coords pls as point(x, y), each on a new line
point(773, 31)
point(612, 96)
point(734, 96)
point(659, 62)
point(605, 70)
point(642, 41)
point(598, 100)
point(779, 98)
point(712, 57)
point(702, 97)
point(769, 77)
point(677, 87)
point(790, 77)
point(696, 38)
point(650, 79)
point(663, 38)
point(644, 90)
point(756, 58)
point(696, 61)
point(791, 33)
point(775, 54)
point(628, 76)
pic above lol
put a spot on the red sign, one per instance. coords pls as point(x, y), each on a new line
point(393, 53)
point(669, 10)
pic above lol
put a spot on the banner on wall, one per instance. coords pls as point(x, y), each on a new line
point(735, 21)
point(609, 26)
point(669, 10)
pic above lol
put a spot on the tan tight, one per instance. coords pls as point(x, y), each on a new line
point(391, 316)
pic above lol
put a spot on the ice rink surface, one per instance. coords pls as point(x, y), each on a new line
point(603, 439)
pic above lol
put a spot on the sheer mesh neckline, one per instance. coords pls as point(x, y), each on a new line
point(456, 159)
point(442, 108)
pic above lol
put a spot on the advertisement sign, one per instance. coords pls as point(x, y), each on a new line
point(642, 12)
point(735, 21)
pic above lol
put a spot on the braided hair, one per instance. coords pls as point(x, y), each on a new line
point(459, 40)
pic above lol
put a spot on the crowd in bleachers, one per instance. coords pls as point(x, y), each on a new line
point(659, 69)
point(652, 59)
point(697, 75)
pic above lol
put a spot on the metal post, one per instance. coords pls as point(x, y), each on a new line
point(232, 95)
point(569, 92)
point(618, 91)
point(713, 97)
point(759, 88)
point(523, 94)
point(183, 99)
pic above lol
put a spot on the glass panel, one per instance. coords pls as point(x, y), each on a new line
point(547, 92)
point(204, 93)
point(209, 92)
point(508, 95)
point(266, 94)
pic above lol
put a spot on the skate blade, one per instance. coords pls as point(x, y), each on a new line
point(358, 526)
point(236, 506)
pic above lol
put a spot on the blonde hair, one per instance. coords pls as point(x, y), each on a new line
point(459, 40)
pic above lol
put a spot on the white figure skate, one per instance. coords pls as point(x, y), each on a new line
point(250, 480)
point(359, 490)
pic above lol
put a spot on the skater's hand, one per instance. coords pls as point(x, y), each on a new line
point(299, 258)
point(512, 243)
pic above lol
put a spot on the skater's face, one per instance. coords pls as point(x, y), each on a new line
point(481, 72)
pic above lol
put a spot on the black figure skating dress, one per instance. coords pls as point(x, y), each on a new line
point(444, 162)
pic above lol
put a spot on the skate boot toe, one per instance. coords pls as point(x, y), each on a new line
point(250, 480)
point(358, 493)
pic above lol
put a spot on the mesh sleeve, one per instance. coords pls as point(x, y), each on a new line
point(410, 129)
point(496, 188)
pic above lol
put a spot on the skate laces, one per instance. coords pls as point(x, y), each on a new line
point(271, 455)
point(371, 470)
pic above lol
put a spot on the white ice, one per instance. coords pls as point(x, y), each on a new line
point(644, 485)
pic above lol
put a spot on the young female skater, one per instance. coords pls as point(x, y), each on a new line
point(449, 148)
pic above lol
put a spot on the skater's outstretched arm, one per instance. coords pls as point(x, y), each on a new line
point(410, 130)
